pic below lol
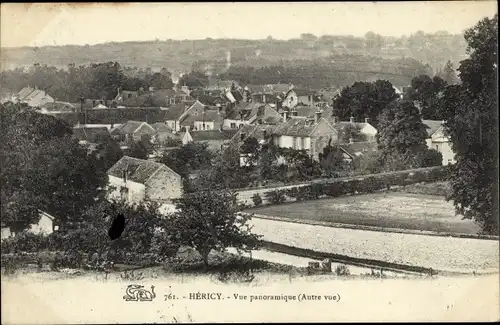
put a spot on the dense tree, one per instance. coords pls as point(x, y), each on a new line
point(472, 124)
point(44, 168)
point(401, 136)
point(364, 100)
point(188, 158)
point(109, 152)
point(428, 93)
point(352, 132)
point(331, 160)
point(208, 220)
point(140, 149)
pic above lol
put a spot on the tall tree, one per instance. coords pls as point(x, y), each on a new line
point(449, 74)
point(44, 168)
point(428, 92)
point(208, 220)
point(472, 124)
point(401, 136)
point(364, 100)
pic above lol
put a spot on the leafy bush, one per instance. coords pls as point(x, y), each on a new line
point(275, 196)
point(369, 184)
point(257, 200)
point(25, 242)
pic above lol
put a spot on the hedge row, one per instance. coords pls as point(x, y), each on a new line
point(365, 185)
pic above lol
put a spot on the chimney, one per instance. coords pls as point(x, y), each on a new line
point(285, 116)
point(351, 119)
point(366, 120)
point(317, 117)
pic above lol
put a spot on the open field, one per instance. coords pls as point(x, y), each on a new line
point(389, 209)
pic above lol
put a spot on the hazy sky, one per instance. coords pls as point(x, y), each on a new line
point(52, 24)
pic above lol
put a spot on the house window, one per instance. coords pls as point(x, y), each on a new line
point(233, 125)
point(303, 145)
point(124, 192)
point(294, 142)
point(437, 147)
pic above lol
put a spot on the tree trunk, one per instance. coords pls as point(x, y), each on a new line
point(205, 259)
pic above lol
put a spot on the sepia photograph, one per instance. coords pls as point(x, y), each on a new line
point(225, 162)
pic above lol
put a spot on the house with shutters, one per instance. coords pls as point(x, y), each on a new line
point(439, 141)
point(136, 180)
point(301, 133)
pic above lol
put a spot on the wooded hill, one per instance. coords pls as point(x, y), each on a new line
point(179, 56)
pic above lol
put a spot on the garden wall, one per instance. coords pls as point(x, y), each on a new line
point(341, 186)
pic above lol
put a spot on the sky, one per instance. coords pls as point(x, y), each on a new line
point(92, 23)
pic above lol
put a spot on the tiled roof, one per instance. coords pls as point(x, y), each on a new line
point(296, 126)
point(432, 126)
point(303, 91)
point(175, 112)
point(139, 170)
point(306, 111)
point(89, 133)
point(247, 110)
point(127, 128)
point(59, 107)
point(213, 135)
point(207, 116)
point(161, 127)
point(256, 131)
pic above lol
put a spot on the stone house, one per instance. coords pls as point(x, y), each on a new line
point(298, 96)
point(200, 117)
point(301, 133)
point(136, 180)
point(439, 141)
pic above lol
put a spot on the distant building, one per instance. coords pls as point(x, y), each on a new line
point(367, 130)
point(200, 117)
point(33, 97)
point(133, 131)
point(215, 139)
point(136, 180)
point(437, 140)
point(251, 113)
point(298, 96)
